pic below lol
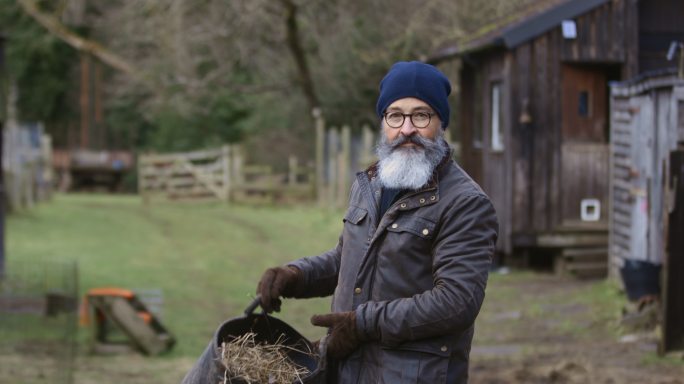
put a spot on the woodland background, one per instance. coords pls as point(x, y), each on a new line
point(181, 74)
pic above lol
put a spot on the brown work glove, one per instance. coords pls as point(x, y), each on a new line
point(342, 338)
point(277, 282)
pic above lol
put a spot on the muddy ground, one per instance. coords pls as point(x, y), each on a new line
point(540, 328)
point(533, 328)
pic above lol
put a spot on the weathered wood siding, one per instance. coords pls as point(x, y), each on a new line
point(645, 118)
point(538, 179)
point(540, 196)
point(488, 166)
point(585, 166)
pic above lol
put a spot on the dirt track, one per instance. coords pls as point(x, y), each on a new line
point(545, 329)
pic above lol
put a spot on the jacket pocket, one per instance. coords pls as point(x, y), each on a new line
point(421, 361)
point(414, 364)
point(354, 215)
point(416, 225)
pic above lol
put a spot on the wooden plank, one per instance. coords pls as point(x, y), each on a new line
point(171, 157)
point(554, 172)
point(571, 240)
point(344, 183)
point(126, 318)
point(621, 149)
point(543, 131)
point(522, 142)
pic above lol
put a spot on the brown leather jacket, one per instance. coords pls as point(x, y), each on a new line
point(415, 277)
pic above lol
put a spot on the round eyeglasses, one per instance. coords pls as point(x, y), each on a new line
point(418, 119)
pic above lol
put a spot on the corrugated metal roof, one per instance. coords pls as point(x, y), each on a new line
point(518, 28)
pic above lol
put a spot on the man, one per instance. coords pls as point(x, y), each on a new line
point(408, 274)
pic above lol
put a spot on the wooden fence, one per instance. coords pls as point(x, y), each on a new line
point(340, 153)
point(27, 166)
point(220, 174)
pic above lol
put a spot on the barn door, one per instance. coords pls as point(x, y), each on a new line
point(584, 148)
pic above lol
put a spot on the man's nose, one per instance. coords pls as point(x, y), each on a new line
point(407, 129)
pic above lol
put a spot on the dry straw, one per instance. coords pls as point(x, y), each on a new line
point(256, 363)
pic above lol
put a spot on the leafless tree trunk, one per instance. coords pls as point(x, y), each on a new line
point(295, 46)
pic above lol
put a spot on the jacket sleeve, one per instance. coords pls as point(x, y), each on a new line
point(462, 254)
point(320, 272)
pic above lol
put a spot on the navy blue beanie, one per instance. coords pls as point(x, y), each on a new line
point(419, 80)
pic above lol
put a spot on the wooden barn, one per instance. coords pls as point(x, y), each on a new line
point(533, 110)
point(647, 194)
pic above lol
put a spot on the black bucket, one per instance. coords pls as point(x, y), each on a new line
point(270, 330)
point(641, 279)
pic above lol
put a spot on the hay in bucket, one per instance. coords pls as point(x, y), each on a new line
point(254, 363)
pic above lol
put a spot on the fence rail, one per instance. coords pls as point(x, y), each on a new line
point(220, 174)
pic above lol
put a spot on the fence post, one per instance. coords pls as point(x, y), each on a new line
point(333, 143)
point(142, 187)
point(292, 170)
point(367, 143)
point(238, 172)
point(320, 162)
point(345, 160)
point(225, 165)
point(47, 174)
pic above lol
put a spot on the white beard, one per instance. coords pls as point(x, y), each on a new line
point(408, 167)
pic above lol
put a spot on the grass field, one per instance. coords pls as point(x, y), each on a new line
point(206, 258)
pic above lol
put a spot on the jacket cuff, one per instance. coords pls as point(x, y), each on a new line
point(300, 283)
point(365, 326)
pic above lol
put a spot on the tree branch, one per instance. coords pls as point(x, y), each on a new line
point(295, 46)
point(55, 27)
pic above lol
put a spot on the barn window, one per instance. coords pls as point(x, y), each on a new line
point(496, 118)
point(478, 120)
point(583, 104)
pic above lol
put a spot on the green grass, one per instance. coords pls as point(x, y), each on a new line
point(206, 258)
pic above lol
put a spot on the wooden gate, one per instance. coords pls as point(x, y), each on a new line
point(221, 174)
point(186, 175)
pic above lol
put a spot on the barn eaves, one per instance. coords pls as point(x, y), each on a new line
point(511, 34)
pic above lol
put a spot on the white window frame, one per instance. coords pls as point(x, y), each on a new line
point(496, 123)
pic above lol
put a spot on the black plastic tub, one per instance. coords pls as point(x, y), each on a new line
point(271, 330)
point(641, 278)
point(267, 329)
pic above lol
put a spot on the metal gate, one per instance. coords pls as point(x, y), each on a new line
point(38, 322)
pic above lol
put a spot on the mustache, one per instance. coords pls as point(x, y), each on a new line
point(415, 139)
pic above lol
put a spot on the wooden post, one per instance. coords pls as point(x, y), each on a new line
point(85, 100)
point(238, 171)
point(367, 142)
point(343, 174)
point(47, 171)
point(292, 170)
point(320, 162)
point(225, 167)
point(333, 142)
point(142, 188)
